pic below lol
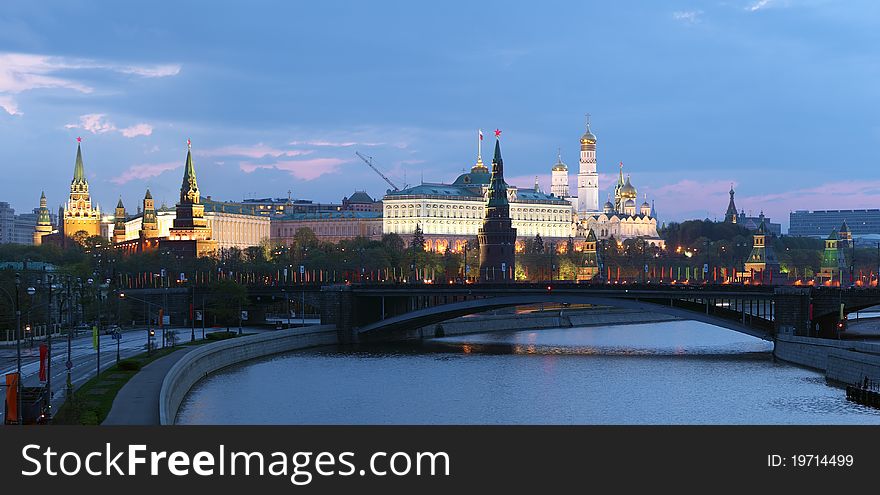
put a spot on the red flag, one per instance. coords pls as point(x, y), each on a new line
point(481, 134)
point(44, 354)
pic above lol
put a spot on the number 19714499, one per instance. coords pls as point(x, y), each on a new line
point(810, 460)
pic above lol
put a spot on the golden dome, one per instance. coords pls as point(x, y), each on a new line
point(560, 166)
point(628, 190)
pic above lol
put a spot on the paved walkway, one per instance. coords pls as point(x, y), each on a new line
point(137, 403)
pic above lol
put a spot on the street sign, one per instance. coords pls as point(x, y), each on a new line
point(302, 269)
point(244, 315)
point(69, 364)
point(705, 267)
point(646, 268)
point(198, 316)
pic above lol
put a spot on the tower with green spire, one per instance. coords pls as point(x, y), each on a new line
point(44, 222)
point(762, 263)
point(79, 215)
point(497, 237)
point(590, 269)
point(149, 222)
point(190, 233)
point(119, 222)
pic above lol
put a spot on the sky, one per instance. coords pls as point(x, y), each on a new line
point(777, 97)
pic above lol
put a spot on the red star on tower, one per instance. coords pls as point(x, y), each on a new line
point(497, 133)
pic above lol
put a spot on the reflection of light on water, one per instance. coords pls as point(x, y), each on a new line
point(527, 349)
point(466, 348)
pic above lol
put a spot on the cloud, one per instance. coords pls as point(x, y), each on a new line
point(20, 72)
point(253, 151)
point(760, 4)
point(301, 169)
point(9, 105)
point(688, 16)
point(97, 123)
point(144, 171)
point(333, 144)
point(137, 130)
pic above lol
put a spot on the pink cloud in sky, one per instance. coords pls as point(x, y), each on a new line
point(333, 144)
point(137, 130)
point(144, 171)
point(254, 151)
point(301, 169)
point(97, 123)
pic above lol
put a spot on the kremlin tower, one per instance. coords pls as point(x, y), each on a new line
point(44, 222)
point(497, 237)
point(588, 178)
point(79, 216)
point(190, 234)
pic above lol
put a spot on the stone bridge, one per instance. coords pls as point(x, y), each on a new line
point(389, 311)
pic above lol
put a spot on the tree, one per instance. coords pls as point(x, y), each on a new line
point(418, 240)
point(538, 244)
point(227, 299)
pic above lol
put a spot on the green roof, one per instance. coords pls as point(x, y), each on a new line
point(79, 174)
point(497, 186)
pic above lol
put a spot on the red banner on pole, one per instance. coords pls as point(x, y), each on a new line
point(11, 398)
point(44, 355)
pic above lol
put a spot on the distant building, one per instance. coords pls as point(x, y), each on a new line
point(19, 229)
point(361, 201)
point(329, 226)
point(193, 228)
point(864, 225)
point(749, 222)
point(233, 227)
point(285, 206)
point(7, 223)
point(449, 215)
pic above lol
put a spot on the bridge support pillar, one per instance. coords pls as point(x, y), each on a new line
point(337, 308)
point(791, 311)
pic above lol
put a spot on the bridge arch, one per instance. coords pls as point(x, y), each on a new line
point(437, 314)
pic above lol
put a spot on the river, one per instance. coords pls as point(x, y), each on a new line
point(679, 372)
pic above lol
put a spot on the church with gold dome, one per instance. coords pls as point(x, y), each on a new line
point(622, 217)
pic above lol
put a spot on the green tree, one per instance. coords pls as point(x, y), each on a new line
point(227, 299)
point(418, 240)
point(538, 244)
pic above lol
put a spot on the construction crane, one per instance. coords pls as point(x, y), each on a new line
point(369, 161)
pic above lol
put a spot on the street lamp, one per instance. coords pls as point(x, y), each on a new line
point(150, 331)
point(18, 341)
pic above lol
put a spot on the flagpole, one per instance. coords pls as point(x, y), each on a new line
point(479, 144)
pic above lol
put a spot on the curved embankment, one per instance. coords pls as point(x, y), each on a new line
point(209, 358)
point(843, 361)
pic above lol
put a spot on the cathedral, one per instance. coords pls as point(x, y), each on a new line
point(620, 217)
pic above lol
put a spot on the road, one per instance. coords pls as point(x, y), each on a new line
point(83, 358)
